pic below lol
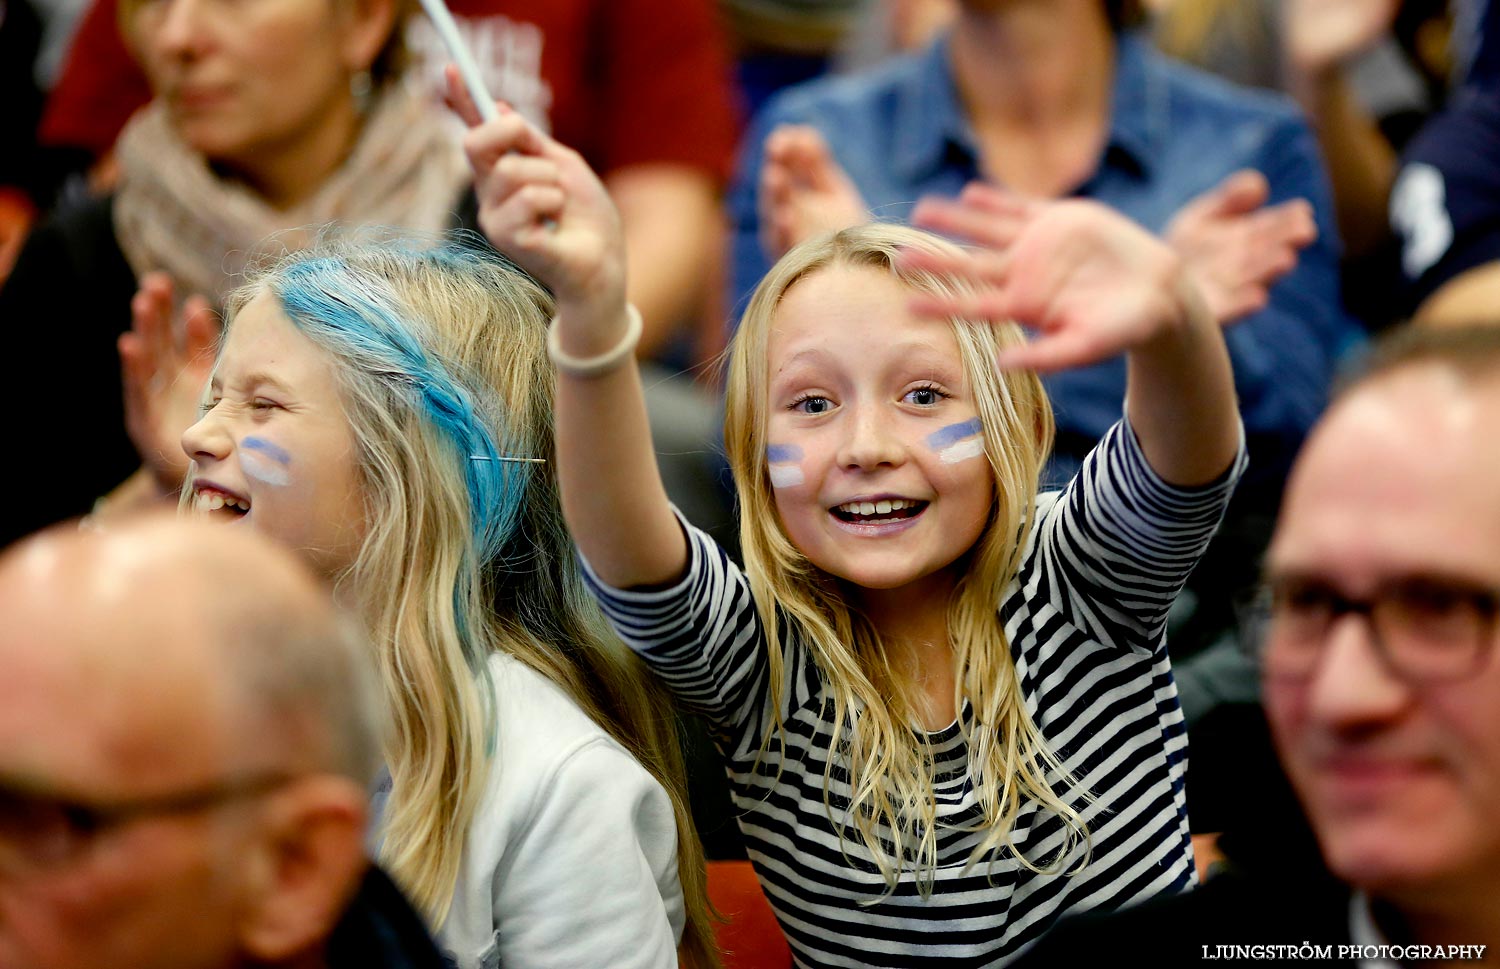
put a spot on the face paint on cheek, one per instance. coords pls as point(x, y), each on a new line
point(958, 442)
point(785, 470)
point(265, 462)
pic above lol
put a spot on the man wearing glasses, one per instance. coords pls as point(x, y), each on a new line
point(187, 736)
point(1381, 682)
point(1381, 686)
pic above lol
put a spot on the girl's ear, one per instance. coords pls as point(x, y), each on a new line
point(367, 25)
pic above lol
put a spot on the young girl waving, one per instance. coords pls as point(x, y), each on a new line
point(944, 699)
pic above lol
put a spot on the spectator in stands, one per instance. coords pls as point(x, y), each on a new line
point(1381, 674)
point(641, 87)
point(188, 733)
point(1445, 203)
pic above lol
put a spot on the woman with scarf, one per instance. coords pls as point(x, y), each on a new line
point(270, 119)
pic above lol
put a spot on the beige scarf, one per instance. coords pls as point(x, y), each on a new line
point(172, 212)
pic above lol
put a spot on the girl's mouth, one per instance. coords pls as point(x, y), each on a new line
point(211, 501)
point(882, 511)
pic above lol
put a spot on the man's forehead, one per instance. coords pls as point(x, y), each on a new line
point(1399, 476)
point(108, 689)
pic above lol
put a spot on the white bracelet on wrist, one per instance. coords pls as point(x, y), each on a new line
point(600, 364)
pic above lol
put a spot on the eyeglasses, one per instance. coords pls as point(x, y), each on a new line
point(40, 831)
point(1427, 629)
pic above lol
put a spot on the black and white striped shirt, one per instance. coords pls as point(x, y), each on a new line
point(1085, 616)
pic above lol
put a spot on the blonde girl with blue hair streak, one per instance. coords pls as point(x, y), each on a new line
point(386, 410)
point(944, 699)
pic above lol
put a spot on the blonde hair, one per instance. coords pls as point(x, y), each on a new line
point(889, 764)
point(440, 355)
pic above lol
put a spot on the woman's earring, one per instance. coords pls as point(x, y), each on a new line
point(361, 84)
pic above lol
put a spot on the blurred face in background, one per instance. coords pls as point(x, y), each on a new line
point(1389, 542)
point(245, 79)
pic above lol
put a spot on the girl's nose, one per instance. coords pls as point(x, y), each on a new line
point(207, 440)
point(871, 442)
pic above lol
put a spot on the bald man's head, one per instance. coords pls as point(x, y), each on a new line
point(219, 611)
point(166, 682)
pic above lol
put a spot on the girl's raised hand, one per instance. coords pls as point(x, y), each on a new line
point(1088, 282)
point(541, 205)
point(164, 367)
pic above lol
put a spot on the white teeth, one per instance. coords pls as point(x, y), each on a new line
point(882, 507)
point(213, 501)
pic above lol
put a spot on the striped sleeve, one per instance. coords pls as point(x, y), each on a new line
point(702, 634)
point(1116, 547)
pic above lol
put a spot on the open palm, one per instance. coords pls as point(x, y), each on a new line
point(1087, 281)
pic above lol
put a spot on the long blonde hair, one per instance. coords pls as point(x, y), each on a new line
point(889, 764)
point(440, 355)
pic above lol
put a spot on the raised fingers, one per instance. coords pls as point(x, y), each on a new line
point(514, 172)
point(1289, 223)
point(459, 100)
point(1000, 201)
point(1049, 352)
point(491, 141)
point(982, 267)
point(1243, 191)
point(995, 305)
point(200, 331)
point(1275, 236)
point(804, 155)
point(151, 314)
point(992, 221)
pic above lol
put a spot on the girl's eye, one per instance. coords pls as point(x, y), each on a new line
point(812, 404)
point(261, 404)
point(927, 396)
point(207, 406)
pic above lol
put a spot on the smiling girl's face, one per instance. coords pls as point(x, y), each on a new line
point(875, 448)
point(274, 450)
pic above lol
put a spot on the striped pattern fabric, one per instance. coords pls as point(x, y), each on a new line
point(1085, 616)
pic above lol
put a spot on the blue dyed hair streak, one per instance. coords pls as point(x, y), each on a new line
point(352, 308)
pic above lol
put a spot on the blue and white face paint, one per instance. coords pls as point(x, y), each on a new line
point(958, 442)
point(785, 462)
point(265, 462)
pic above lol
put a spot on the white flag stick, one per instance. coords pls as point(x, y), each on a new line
point(473, 80)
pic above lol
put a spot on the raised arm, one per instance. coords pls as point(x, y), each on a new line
point(1092, 284)
point(541, 205)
